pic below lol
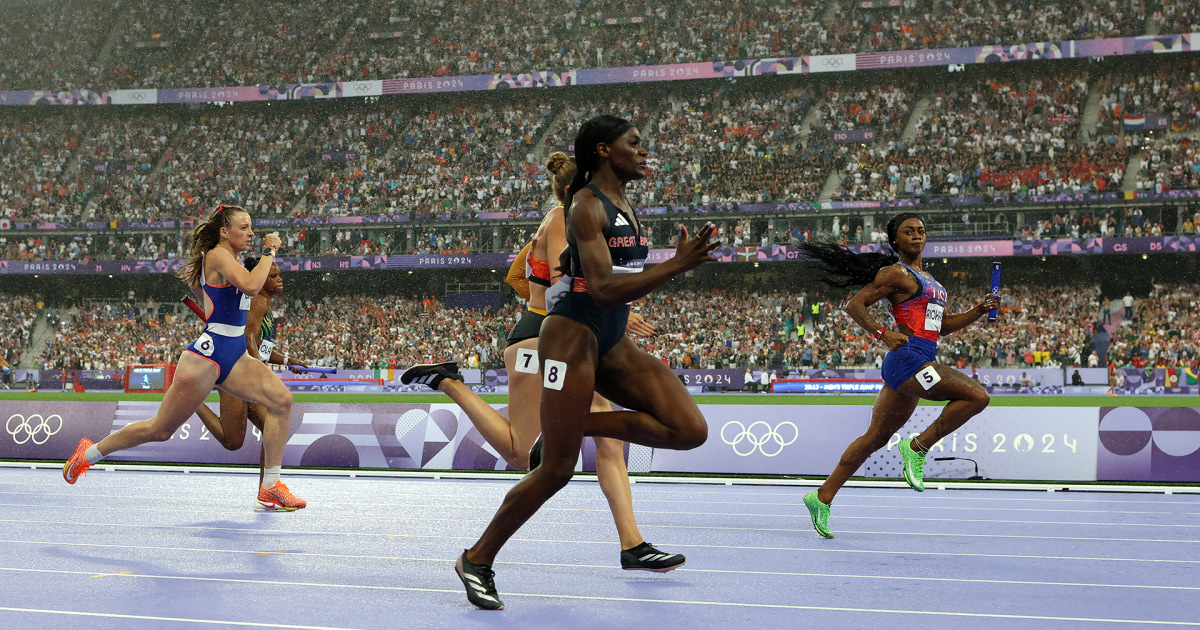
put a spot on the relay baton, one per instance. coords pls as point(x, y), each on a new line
point(318, 370)
point(995, 289)
point(187, 299)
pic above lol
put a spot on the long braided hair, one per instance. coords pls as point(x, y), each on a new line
point(845, 269)
point(205, 236)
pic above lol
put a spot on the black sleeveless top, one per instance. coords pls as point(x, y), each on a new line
point(626, 245)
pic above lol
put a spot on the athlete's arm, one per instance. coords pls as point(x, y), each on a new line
point(887, 281)
point(248, 282)
point(516, 273)
point(254, 321)
point(586, 225)
point(958, 321)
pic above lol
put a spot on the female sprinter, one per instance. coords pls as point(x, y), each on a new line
point(582, 347)
point(217, 357)
point(512, 438)
point(229, 429)
point(909, 371)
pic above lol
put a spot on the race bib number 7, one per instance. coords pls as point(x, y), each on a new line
point(527, 361)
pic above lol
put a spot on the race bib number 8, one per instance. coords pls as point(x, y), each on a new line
point(527, 361)
point(933, 317)
point(554, 374)
point(204, 344)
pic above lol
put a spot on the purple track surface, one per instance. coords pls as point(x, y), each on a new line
point(171, 550)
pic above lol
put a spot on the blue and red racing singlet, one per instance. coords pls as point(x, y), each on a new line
point(922, 313)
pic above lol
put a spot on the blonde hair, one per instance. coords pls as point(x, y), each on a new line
point(205, 236)
point(562, 167)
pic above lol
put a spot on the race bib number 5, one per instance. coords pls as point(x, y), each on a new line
point(204, 344)
point(933, 317)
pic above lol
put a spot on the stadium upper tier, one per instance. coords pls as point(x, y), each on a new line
point(109, 44)
point(1049, 134)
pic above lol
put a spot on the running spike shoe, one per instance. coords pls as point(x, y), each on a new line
point(278, 498)
point(819, 513)
point(645, 557)
point(431, 374)
point(914, 466)
point(78, 465)
point(479, 581)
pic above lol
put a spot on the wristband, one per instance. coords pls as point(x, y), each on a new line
point(879, 333)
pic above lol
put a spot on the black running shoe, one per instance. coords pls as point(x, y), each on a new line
point(645, 557)
point(535, 453)
point(477, 578)
point(431, 374)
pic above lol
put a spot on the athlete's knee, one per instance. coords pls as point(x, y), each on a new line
point(558, 476)
point(608, 449)
point(692, 433)
point(980, 397)
point(231, 443)
point(159, 434)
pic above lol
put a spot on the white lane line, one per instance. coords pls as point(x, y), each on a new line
point(441, 560)
point(605, 511)
point(625, 599)
point(889, 552)
point(259, 530)
point(421, 500)
point(80, 613)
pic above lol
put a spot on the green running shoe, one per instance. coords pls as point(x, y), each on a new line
point(819, 512)
point(914, 466)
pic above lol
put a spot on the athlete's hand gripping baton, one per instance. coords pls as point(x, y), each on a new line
point(991, 317)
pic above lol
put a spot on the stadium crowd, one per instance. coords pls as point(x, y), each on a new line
point(106, 44)
point(1042, 326)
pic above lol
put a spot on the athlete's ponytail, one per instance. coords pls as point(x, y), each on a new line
point(845, 269)
point(205, 236)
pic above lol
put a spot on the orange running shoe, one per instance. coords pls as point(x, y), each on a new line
point(78, 465)
point(278, 498)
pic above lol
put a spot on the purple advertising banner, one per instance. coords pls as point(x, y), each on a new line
point(1153, 444)
point(773, 253)
point(1071, 49)
point(1149, 444)
point(1007, 442)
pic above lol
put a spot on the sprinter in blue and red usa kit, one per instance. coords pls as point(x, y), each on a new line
point(909, 369)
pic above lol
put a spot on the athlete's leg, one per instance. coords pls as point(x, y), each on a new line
point(564, 414)
point(254, 382)
point(967, 398)
point(193, 380)
point(892, 409)
point(230, 427)
point(512, 437)
point(614, 481)
point(255, 413)
point(667, 416)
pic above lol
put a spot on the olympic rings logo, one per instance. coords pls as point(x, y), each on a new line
point(35, 428)
point(760, 436)
point(832, 62)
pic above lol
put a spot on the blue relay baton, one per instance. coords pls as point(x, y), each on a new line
point(995, 290)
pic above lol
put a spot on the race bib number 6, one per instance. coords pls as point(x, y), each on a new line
point(204, 344)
